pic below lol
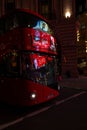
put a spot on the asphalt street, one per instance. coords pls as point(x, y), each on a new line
point(68, 111)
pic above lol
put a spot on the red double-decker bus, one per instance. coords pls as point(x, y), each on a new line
point(28, 59)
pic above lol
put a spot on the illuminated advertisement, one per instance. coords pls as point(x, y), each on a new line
point(42, 40)
point(38, 61)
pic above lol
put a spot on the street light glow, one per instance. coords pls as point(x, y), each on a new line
point(68, 14)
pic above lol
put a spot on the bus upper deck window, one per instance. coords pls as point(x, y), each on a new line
point(43, 26)
point(11, 23)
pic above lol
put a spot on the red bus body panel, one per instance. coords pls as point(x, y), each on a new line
point(18, 91)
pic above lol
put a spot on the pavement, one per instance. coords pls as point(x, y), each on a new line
point(79, 83)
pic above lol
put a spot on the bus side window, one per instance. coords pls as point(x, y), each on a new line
point(15, 22)
point(13, 64)
point(9, 65)
point(2, 26)
point(8, 23)
point(3, 66)
point(11, 23)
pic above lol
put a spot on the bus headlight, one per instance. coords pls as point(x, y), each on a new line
point(33, 96)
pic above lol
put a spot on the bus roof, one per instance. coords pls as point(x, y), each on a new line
point(26, 11)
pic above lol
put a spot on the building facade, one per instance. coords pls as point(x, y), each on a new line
point(62, 15)
point(82, 43)
point(81, 28)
